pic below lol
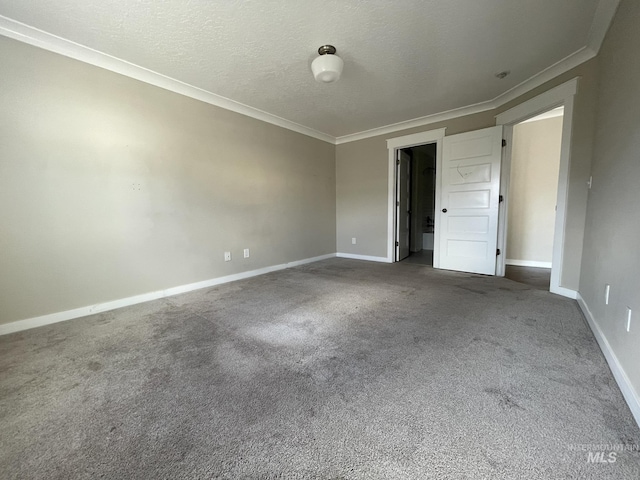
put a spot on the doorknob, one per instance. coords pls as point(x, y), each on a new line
point(444, 210)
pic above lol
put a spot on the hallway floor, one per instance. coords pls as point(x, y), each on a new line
point(423, 257)
point(538, 278)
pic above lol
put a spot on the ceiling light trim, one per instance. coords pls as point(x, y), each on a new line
point(47, 41)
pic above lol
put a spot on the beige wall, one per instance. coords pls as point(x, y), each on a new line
point(362, 170)
point(533, 188)
point(361, 186)
point(110, 187)
point(612, 238)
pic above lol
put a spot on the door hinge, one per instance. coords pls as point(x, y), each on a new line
point(397, 162)
point(497, 252)
point(504, 142)
point(397, 244)
point(398, 203)
point(500, 199)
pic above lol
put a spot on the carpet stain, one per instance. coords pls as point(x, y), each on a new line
point(94, 366)
point(562, 381)
point(495, 343)
point(322, 371)
point(505, 400)
point(472, 290)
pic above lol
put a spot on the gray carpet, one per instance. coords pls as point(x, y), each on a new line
point(423, 257)
point(539, 278)
point(338, 369)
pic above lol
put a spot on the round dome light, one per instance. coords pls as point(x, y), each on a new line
point(327, 68)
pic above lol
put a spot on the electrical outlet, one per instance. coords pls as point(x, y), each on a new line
point(227, 256)
point(353, 241)
point(607, 289)
point(246, 253)
point(628, 319)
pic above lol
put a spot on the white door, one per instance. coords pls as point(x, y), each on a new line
point(469, 200)
point(403, 205)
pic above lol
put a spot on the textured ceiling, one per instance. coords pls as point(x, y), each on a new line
point(403, 59)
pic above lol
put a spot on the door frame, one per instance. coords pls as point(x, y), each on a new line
point(393, 145)
point(562, 95)
point(399, 189)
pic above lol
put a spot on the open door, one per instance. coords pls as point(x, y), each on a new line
point(469, 200)
point(403, 205)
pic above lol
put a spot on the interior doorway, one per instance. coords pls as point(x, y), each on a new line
point(562, 95)
point(533, 186)
point(496, 194)
point(416, 203)
point(395, 214)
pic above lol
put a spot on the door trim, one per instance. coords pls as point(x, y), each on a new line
point(561, 95)
point(398, 143)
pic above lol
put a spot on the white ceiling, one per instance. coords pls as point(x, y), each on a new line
point(403, 59)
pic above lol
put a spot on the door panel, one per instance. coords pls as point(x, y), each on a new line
point(403, 202)
point(468, 175)
point(469, 200)
point(472, 199)
point(466, 224)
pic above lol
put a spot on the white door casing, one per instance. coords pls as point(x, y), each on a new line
point(403, 203)
point(469, 201)
point(393, 145)
point(561, 95)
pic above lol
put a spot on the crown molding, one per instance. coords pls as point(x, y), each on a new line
point(603, 16)
point(605, 11)
point(569, 62)
point(38, 38)
point(416, 122)
point(535, 81)
point(554, 96)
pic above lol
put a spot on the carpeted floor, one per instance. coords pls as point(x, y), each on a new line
point(423, 257)
point(539, 278)
point(337, 369)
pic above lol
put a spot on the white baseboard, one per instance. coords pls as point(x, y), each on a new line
point(527, 263)
point(145, 297)
point(629, 393)
point(565, 292)
point(368, 258)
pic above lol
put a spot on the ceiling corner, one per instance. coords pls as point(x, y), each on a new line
point(605, 11)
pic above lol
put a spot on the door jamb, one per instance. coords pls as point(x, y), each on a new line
point(398, 143)
point(561, 95)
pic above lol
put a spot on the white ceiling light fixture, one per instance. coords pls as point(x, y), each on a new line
point(327, 68)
